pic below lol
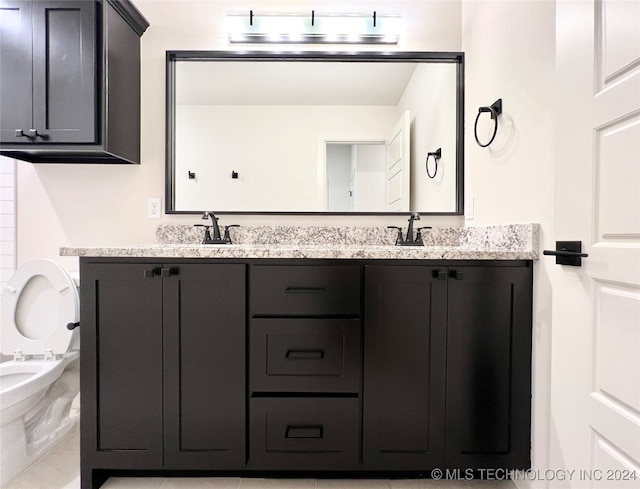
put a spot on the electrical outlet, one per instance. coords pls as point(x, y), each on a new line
point(154, 207)
point(468, 208)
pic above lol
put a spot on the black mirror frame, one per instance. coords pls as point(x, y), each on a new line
point(365, 56)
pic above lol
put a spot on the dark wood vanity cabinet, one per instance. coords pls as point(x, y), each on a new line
point(404, 367)
point(121, 368)
point(305, 360)
point(488, 414)
point(70, 80)
point(163, 367)
point(296, 365)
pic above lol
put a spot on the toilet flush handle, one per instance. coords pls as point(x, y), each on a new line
point(72, 326)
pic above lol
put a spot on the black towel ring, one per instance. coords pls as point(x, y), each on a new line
point(437, 154)
point(495, 109)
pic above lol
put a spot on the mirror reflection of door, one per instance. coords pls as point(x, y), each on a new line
point(398, 165)
point(370, 176)
point(356, 176)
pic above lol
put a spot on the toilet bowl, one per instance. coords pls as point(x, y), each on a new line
point(38, 386)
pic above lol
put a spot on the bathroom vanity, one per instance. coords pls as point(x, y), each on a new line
point(255, 359)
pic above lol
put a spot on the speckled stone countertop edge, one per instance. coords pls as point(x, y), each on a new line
point(503, 242)
point(309, 253)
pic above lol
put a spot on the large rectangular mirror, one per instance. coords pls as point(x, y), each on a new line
point(315, 132)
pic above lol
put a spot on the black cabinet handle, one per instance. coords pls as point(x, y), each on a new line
point(305, 290)
point(308, 431)
point(163, 272)
point(305, 354)
point(72, 326)
point(33, 134)
point(440, 274)
point(456, 274)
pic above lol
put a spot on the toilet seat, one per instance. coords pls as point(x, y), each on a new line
point(38, 302)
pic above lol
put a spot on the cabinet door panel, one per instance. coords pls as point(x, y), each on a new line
point(121, 366)
point(64, 71)
point(15, 69)
point(488, 373)
point(204, 322)
point(404, 387)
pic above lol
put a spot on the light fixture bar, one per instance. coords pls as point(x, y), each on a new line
point(313, 28)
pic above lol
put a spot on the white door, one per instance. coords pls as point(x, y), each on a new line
point(595, 380)
point(398, 169)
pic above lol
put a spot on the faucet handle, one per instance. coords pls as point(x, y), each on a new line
point(399, 238)
point(207, 233)
point(227, 237)
point(419, 233)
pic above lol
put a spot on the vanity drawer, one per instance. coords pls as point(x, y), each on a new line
point(304, 433)
point(305, 355)
point(303, 290)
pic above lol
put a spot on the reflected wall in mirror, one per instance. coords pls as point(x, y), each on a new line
point(314, 132)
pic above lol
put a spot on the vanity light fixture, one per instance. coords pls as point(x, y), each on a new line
point(313, 28)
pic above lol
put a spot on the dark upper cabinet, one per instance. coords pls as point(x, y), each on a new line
point(404, 367)
point(58, 58)
point(15, 67)
point(489, 368)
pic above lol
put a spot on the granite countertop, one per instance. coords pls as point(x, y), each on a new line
point(507, 242)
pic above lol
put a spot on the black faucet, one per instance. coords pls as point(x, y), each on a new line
point(413, 217)
point(216, 238)
point(214, 220)
point(410, 240)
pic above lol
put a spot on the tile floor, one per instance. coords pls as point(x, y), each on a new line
point(60, 469)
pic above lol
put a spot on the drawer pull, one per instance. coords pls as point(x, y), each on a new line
point(305, 290)
point(311, 431)
point(305, 354)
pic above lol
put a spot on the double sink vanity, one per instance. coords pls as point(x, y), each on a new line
point(307, 350)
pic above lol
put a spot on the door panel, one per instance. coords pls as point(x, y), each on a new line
point(488, 368)
point(121, 366)
point(398, 165)
point(204, 331)
point(64, 71)
point(15, 69)
point(404, 387)
point(596, 308)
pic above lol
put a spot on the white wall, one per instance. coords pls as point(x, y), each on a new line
point(510, 54)
point(433, 115)
point(84, 205)
point(277, 166)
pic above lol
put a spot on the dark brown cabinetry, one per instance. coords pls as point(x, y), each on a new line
point(57, 59)
point(488, 367)
point(121, 368)
point(404, 367)
point(163, 367)
point(291, 365)
point(305, 367)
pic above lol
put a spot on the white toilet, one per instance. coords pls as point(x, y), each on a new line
point(38, 386)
